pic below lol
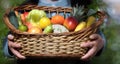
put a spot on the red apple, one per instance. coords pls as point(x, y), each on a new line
point(26, 14)
point(70, 23)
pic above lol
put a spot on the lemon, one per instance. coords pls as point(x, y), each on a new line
point(44, 22)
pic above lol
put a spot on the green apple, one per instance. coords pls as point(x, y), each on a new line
point(22, 28)
point(48, 29)
point(35, 15)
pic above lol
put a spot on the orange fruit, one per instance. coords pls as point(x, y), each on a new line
point(34, 30)
point(57, 19)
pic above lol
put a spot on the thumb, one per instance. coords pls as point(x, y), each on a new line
point(10, 37)
point(94, 36)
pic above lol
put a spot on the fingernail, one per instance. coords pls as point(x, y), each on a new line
point(10, 36)
point(23, 57)
point(91, 37)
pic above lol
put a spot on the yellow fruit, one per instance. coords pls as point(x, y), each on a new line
point(35, 24)
point(44, 22)
point(80, 26)
point(90, 20)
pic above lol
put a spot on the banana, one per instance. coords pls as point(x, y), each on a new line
point(90, 20)
point(80, 26)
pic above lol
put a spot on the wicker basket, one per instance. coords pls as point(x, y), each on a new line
point(53, 44)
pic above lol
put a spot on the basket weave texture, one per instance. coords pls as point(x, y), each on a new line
point(53, 44)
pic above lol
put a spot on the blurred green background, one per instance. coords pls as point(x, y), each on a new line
point(110, 55)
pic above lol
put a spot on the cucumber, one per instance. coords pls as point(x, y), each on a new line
point(13, 19)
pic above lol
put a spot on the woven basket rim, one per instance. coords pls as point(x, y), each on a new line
point(14, 30)
point(45, 8)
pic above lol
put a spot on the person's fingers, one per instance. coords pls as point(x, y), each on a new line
point(89, 54)
point(10, 37)
point(17, 54)
point(94, 45)
point(87, 44)
point(98, 41)
point(94, 36)
point(13, 45)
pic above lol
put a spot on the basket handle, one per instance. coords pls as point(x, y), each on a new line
point(101, 19)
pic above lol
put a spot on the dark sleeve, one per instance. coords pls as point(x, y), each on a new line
point(102, 35)
point(6, 49)
point(32, 2)
point(80, 2)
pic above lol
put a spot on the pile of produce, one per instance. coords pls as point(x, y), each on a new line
point(37, 21)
